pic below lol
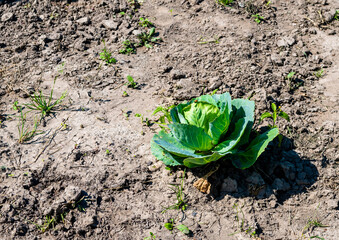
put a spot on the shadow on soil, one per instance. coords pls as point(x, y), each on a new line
point(279, 171)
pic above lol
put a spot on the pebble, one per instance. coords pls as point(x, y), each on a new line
point(110, 24)
point(229, 185)
point(7, 17)
point(84, 21)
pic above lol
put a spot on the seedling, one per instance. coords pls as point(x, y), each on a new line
point(146, 120)
point(293, 82)
point(276, 112)
point(144, 22)
point(169, 225)
point(258, 18)
point(122, 13)
point(150, 237)
point(225, 3)
point(171, 11)
point(336, 15)
point(165, 118)
point(131, 83)
point(49, 223)
point(41, 103)
point(106, 55)
point(108, 152)
point(241, 223)
point(25, 133)
point(125, 94)
point(16, 106)
point(319, 73)
point(312, 223)
point(179, 192)
point(182, 228)
point(147, 39)
point(128, 47)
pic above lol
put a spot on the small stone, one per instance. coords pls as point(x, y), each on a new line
point(275, 58)
point(281, 184)
point(136, 32)
point(155, 166)
point(72, 193)
point(333, 204)
point(7, 17)
point(229, 185)
point(110, 24)
point(84, 21)
point(281, 43)
point(55, 36)
point(256, 179)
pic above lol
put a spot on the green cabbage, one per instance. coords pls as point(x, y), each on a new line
point(209, 128)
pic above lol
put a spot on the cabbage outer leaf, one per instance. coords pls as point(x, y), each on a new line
point(164, 156)
point(224, 147)
point(172, 145)
point(243, 108)
point(247, 158)
point(200, 161)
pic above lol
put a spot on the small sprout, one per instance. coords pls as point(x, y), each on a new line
point(144, 22)
point(147, 39)
point(106, 55)
point(131, 83)
point(171, 11)
point(336, 15)
point(276, 112)
point(319, 73)
point(258, 18)
point(128, 47)
point(225, 3)
point(122, 13)
point(10, 175)
point(125, 94)
point(150, 237)
point(108, 152)
point(16, 106)
point(183, 228)
point(169, 224)
point(290, 75)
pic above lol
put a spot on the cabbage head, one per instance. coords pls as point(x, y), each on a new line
point(209, 128)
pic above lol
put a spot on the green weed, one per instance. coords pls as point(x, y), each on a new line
point(131, 83)
point(336, 15)
point(319, 73)
point(258, 18)
point(128, 47)
point(165, 118)
point(182, 228)
point(26, 133)
point(143, 120)
point(274, 115)
point(293, 82)
point(106, 55)
point(44, 104)
point(125, 94)
point(241, 222)
point(150, 237)
point(225, 3)
point(144, 22)
point(181, 203)
point(147, 39)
